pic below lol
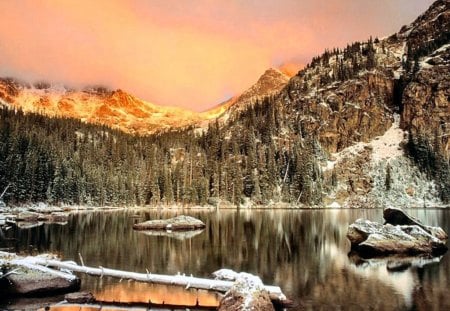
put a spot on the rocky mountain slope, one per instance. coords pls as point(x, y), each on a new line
point(379, 114)
point(269, 84)
point(123, 111)
point(348, 100)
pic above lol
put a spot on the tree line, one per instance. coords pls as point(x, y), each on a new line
point(66, 161)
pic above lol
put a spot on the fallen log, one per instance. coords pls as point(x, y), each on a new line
point(179, 280)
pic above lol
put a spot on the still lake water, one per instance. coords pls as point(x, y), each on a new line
point(305, 252)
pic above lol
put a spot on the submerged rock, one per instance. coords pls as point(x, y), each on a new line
point(247, 293)
point(29, 225)
point(401, 235)
point(174, 224)
point(394, 263)
point(79, 297)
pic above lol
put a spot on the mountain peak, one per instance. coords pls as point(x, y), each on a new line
point(271, 79)
point(271, 82)
point(434, 17)
point(273, 73)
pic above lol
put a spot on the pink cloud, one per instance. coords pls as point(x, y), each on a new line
point(181, 53)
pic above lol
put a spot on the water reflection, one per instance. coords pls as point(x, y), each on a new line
point(400, 274)
point(135, 292)
point(304, 252)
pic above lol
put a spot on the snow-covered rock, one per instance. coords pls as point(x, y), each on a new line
point(407, 236)
point(247, 294)
point(175, 224)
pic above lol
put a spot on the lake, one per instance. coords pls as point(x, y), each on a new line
point(305, 252)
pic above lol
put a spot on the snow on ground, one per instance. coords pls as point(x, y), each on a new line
point(384, 147)
point(425, 65)
point(408, 185)
point(334, 205)
point(388, 145)
point(443, 48)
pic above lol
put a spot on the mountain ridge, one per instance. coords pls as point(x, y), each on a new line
point(124, 111)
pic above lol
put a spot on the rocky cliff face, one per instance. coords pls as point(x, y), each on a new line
point(426, 109)
point(349, 97)
point(425, 101)
point(343, 113)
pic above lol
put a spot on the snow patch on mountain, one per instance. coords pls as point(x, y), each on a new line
point(392, 178)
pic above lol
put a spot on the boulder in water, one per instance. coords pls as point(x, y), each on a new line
point(400, 235)
point(175, 224)
point(396, 216)
point(28, 216)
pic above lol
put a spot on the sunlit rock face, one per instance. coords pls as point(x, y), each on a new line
point(116, 109)
point(269, 84)
point(121, 110)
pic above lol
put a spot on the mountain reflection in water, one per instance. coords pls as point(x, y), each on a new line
point(135, 292)
point(125, 293)
point(305, 252)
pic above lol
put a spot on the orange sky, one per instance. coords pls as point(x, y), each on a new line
point(192, 54)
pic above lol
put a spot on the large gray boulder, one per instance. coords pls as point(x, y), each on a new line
point(30, 282)
point(400, 235)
